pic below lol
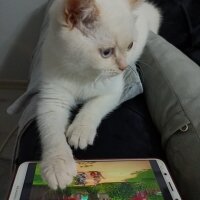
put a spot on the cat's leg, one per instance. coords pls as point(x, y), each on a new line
point(82, 131)
point(57, 164)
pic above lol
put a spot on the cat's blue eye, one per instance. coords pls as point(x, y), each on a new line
point(106, 53)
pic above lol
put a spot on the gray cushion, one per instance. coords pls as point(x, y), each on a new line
point(172, 90)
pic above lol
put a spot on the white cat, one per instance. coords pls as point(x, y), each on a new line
point(88, 46)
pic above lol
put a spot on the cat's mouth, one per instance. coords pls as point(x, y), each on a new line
point(108, 73)
point(111, 73)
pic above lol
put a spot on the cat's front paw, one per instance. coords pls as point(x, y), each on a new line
point(80, 136)
point(58, 171)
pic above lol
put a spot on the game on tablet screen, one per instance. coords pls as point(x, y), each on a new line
point(128, 180)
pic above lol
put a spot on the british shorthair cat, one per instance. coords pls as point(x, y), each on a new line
point(89, 45)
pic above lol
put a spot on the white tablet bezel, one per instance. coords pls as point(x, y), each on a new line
point(22, 170)
point(168, 180)
point(19, 182)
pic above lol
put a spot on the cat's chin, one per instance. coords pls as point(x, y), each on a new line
point(110, 73)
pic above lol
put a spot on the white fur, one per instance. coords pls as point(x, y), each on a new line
point(74, 72)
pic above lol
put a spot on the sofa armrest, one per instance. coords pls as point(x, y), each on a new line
point(172, 90)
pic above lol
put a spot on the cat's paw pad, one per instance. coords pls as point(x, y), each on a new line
point(80, 136)
point(58, 171)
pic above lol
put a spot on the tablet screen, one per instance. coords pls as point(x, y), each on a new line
point(105, 180)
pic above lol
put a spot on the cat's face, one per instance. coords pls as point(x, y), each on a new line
point(100, 34)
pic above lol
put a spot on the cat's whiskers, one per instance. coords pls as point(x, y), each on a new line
point(140, 61)
point(100, 77)
point(139, 69)
point(106, 74)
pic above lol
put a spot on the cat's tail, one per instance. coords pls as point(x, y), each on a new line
point(152, 14)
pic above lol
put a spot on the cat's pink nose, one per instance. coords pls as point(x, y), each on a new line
point(122, 64)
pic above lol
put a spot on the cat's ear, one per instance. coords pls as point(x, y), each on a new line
point(135, 3)
point(81, 13)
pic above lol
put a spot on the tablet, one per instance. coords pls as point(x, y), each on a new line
point(125, 179)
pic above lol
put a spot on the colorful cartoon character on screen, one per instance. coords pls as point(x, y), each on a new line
point(140, 196)
point(84, 197)
point(75, 197)
point(72, 197)
point(81, 178)
point(103, 196)
point(97, 176)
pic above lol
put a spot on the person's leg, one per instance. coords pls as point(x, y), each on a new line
point(29, 146)
point(127, 132)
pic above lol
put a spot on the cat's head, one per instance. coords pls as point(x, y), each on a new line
point(99, 34)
